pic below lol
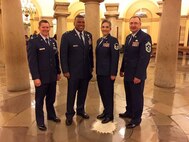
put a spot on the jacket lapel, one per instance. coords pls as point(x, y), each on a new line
point(77, 38)
point(43, 43)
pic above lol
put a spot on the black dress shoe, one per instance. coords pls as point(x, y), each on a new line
point(69, 122)
point(106, 120)
point(83, 115)
point(125, 115)
point(42, 127)
point(101, 116)
point(132, 125)
point(56, 119)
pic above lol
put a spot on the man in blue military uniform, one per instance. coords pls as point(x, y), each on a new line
point(44, 67)
point(136, 57)
point(76, 55)
point(107, 57)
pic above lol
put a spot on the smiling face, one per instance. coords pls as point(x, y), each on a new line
point(44, 29)
point(134, 24)
point(79, 24)
point(105, 28)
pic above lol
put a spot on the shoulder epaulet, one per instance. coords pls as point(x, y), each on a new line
point(67, 32)
point(33, 37)
point(87, 32)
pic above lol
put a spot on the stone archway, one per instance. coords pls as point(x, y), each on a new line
point(150, 22)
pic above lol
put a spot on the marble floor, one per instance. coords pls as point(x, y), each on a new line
point(165, 116)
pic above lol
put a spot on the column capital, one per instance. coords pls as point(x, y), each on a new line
point(58, 14)
point(49, 19)
point(85, 1)
point(61, 9)
point(160, 4)
point(111, 10)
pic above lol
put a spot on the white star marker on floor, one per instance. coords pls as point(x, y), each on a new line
point(107, 128)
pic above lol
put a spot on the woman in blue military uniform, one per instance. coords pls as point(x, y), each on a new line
point(107, 56)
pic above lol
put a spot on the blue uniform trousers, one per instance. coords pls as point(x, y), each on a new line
point(49, 91)
point(80, 87)
point(106, 89)
point(134, 99)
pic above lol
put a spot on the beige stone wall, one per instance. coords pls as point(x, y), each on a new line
point(34, 25)
point(154, 30)
point(183, 34)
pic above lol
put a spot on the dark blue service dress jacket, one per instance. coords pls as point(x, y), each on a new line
point(43, 59)
point(137, 51)
point(107, 56)
point(76, 57)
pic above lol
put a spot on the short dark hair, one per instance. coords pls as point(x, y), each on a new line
point(135, 17)
point(106, 21)
point(79, 16)
point(43, 21)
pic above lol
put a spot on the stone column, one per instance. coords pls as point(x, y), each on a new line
point(61, 14)
point(112, 14)
point(17, 74)
point(49, 19)
point(92, 18)
point(2, 60)
point(167, 47)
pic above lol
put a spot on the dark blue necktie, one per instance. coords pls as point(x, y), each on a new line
point(47, 41)
point(80, 34)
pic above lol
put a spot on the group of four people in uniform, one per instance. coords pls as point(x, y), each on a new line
point(76, 59)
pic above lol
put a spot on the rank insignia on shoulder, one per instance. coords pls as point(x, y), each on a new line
point(116, 46)
point(148, 47)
